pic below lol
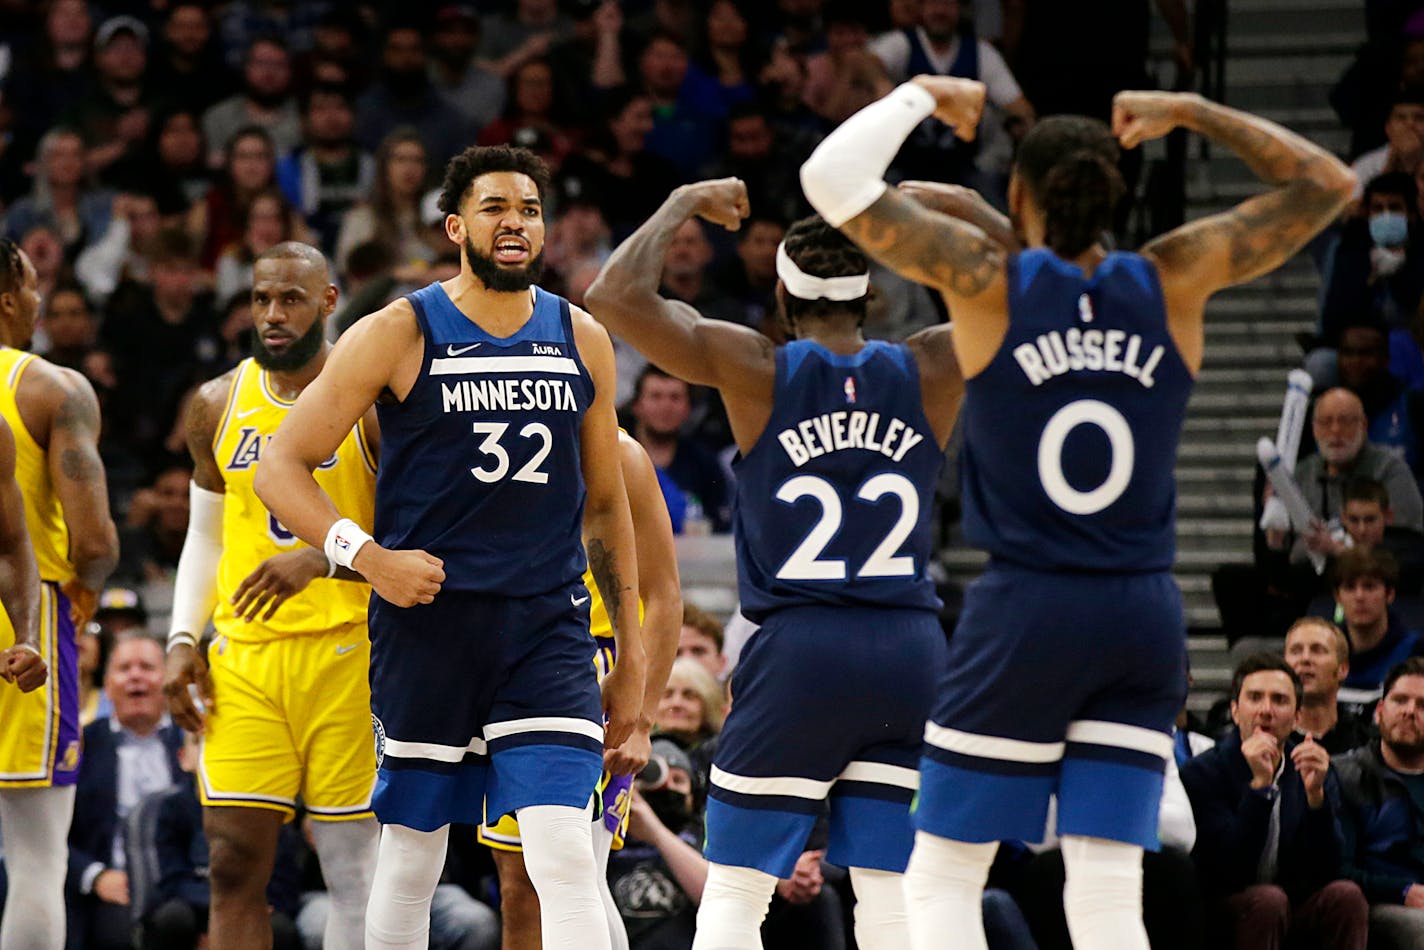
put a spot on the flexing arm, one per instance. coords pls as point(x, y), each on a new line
point(22, 663)
point(967, 205)
point(608, 533)
point(359, 369)
point(1309, 188)
point(660, 590)
point(78, 477)
point(672, 334)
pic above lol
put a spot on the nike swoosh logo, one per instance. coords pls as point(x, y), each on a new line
point(451, 351)
point(342, 651)
point(578, 601)
point(243, 415)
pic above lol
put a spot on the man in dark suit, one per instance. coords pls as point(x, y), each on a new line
point(1267, 844)
point(127, 756)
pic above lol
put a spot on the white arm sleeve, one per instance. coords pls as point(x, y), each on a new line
point(846, 173)
point(195, 589)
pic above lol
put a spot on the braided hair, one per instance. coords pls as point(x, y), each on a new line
point(1069, 163)
point(819, 250)
point(12, 267)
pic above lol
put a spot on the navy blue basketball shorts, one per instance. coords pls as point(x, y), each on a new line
point(828, 703)
point(483, 705)
point(1056, 684)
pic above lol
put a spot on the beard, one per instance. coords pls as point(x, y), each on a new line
point(503, 280)
point(297, 354)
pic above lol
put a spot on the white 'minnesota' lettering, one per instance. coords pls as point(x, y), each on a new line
point(508, 395)
point(1076, 350)
point(840, 431)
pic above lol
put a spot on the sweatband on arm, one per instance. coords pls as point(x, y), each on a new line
point(343, 539)
point(846, 173)
point(195, 588)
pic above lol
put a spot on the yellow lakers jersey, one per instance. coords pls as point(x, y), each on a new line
point(251, 534)
point(43, 517)
point(601, 628)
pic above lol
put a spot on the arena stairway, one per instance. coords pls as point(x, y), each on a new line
point(1283, 56)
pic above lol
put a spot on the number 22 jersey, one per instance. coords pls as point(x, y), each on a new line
point(1071, 431)
point(833, 502)
point(480, 463)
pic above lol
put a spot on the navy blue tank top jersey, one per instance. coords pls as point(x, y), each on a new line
point(480, 463)
point(833, 502)
point(1071, 432)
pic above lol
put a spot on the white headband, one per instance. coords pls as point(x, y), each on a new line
point(804, 286)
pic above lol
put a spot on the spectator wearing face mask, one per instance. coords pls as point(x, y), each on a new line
point(1378, 268)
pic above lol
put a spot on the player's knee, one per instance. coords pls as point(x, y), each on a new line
point(236, 864)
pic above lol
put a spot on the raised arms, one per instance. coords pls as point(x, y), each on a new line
point(21, 664)
point(1309, 188)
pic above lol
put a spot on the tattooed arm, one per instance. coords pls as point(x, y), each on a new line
point(72, 453)
point(608, 532)
point(1309, 188)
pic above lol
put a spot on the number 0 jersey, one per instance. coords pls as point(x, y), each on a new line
point(1071, 432)
point(481, 462)
point(833, 502)
point(251, 534)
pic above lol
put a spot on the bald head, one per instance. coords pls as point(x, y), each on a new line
point(1339, 425)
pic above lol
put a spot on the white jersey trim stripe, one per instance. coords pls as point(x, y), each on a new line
point(513, 727)
point(1349, 694)
point(882, 773)
point(1120, 735)
point(992, 747)
point(780, 785)
point(462, 365)
point(433, 750)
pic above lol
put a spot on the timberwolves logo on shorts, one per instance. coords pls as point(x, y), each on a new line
point(380, 734)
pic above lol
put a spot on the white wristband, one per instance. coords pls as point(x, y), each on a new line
point(343, 541)
point(174, 639)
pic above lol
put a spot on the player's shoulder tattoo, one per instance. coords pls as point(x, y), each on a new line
point(956, 257)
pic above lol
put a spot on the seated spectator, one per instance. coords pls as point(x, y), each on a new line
point(60, 197)
point(403, 95)
point(726, 63)
point(589, 62)
point(701, 639)
point(1368, 522)
point(176, 917)
point(1364, 590)
point(1382, 792)
point(186, 64)
point(68, 327)
point(50, 75)
point(1377, 270)
point(1404, 135)
point(329, 174)
point(392, 215)
point(120, 613)
point(688, 106)
point(847, 76)
point(153, 533)
point(686, 274)
point(1319, 653)
point(464, 81)
point(123, 252)
point(45, 251)
point(173, 167)
point(692, 707)
point(249, 169)
point(768, 160)
point(1266, 846)
point(510, 37)
point(1395, 414)
point(689, 474)
point(750, 275)
point(269, 220)
point(945, 44)
point(266, 101)
point(528, 120)
point(113, 115)
point(127, 756)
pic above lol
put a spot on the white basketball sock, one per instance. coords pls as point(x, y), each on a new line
point(408, 866)
point(347, 851)
point(880, 916)
point(734, 903)
point(602, 848)
point(35, 822)
point(1102, 896)
point(944, 892)
point(558, 854)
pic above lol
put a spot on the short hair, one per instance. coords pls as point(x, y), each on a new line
point(652, 372)
point(1414, 666)
point(1392, 183)
point(703, 622)
point(270, 39)
point(819, 250)
point(1366, 489)
point(1264, 663)
point(1356, 564)
point(174, 245)
point(297, 251)
point(69, 286)
point(12, 267)
point(1069, 163)
point(1408, 96)
point(325, 89)
point(1342, 642)
point(480, 160)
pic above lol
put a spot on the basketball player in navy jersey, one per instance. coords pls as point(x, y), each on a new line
point(842, 442)
point(499, 464)
point(1068, 664)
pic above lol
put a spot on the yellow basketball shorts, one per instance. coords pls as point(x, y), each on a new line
point(611, 810)
point(291, 717)
point(39, 730)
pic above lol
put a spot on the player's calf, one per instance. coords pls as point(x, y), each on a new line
point(518, 903)
point(242, 847)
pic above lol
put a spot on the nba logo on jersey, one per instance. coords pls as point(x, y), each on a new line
point(850, 389)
